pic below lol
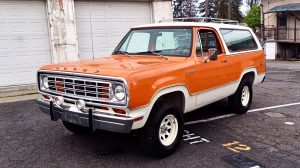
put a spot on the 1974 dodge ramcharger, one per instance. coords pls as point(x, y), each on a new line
point(156, 74)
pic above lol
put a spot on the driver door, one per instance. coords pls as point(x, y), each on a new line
point(211, 74)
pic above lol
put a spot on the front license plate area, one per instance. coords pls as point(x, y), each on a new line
point(71, 118)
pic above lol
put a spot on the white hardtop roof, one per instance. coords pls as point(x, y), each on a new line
point(192, 24)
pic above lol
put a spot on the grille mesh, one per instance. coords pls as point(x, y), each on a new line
point(80, 87)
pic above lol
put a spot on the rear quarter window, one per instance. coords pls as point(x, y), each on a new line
point(238, 40)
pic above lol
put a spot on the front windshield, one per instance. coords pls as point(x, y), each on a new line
point(153, 41)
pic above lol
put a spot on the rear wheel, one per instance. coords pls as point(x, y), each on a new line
point(163, 131)
point(241, 101)
point(76, 129)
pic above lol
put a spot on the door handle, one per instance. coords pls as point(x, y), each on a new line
point(224, 61)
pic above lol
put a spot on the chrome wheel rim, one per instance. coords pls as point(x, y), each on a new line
point(245, 96)
point(168, 130)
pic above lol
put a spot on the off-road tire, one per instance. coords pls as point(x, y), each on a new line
point(76, 129)
point(150, 136)
point(235, 101)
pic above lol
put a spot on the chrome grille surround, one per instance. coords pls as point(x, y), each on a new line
point(80, 87)
point(93, 89)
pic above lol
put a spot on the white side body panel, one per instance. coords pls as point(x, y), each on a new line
point(195, 101)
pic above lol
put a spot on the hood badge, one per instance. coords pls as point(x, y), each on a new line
point(85, 69)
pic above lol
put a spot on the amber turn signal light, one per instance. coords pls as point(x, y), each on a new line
point(46, 97)
point(119, 111)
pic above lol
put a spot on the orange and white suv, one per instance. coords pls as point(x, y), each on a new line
point(156, 74)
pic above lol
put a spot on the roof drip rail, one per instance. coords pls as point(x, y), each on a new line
point(204, 20)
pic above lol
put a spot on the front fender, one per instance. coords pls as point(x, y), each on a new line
point(144, 111)
point(142, 91)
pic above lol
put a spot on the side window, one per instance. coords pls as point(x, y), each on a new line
point(238, 40)
point(207, 39)
point(138, 42)
point(199, 49)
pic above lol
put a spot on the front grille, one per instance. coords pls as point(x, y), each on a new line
point(80, 87)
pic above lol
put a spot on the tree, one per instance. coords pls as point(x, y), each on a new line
point(185, 8)
point(221, 8)
point(236, 13)
point(217, 8)
point(177, 12)
point(211, 9)
point(251, 3)
point(252, 19)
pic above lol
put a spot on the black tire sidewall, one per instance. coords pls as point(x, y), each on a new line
point(236, 99)
point(150, 140)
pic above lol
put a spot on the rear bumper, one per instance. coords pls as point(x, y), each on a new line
point(92, 119)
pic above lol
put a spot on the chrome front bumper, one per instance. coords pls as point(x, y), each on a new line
point(91, 119)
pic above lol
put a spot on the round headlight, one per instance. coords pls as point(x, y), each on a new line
point(119, 92)
point(45, 82)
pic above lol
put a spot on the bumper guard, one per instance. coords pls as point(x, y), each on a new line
point(91, 119)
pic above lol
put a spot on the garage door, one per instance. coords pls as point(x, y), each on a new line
point(24, 42)
point(101, 25)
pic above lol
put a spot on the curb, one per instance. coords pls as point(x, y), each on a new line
point(17, 98)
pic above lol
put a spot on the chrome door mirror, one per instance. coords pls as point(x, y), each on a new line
point(213, 54)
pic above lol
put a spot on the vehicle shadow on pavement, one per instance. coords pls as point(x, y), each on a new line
point(213, 110)
point(103, 143)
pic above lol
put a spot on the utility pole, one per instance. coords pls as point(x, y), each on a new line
point(229, 8)
point(206, 9)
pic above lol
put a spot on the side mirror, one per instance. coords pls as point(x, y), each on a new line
point(213, 54)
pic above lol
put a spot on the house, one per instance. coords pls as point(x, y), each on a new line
point(38, 32)
point(281, 27)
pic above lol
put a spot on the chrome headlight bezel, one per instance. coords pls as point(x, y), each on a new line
point(44, 85)
point(119, 92)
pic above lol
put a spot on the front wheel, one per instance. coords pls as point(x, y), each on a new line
point(241, 101)
point(163, 131)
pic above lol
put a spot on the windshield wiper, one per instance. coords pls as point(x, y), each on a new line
point(122, 52)
point(153, 52)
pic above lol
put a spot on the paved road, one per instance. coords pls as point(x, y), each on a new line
point(261, 138)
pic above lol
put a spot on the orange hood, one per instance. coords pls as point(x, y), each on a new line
point(142, 73)
point(116, 66)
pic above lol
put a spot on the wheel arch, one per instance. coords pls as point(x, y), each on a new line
point(175, 96)
point(249, 73)
point(179, 92)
